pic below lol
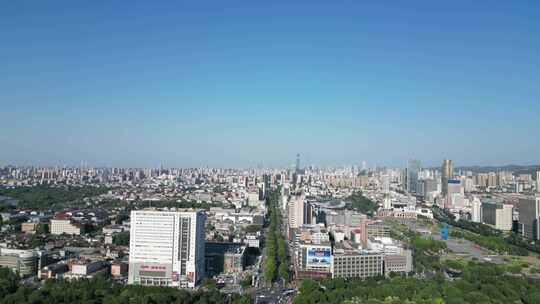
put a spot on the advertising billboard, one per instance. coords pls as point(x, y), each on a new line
point(319, 257)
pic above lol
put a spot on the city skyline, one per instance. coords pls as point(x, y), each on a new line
point(192, 85)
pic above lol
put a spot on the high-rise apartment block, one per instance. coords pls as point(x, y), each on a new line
point(476, 214)
point(299, 211)
point(529, 216)
point(166, 248)
point(498, 215)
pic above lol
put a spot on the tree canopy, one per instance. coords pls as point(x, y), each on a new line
point(479, 283)
point(102, 291)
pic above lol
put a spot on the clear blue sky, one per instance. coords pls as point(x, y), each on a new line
point(242, 83)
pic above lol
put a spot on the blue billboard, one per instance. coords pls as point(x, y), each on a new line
point(319, 256)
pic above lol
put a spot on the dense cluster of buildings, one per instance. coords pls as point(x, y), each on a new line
point(170, 246)
point(328, 240)
point(503, 199)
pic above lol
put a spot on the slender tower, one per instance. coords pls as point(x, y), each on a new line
point(447, 173)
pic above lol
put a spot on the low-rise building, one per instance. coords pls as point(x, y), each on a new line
point(62, 224)
point(352, 262)
point(396, 257)
point(234, 260)
point(29, 227)
point(85, 269)
point(398, 262)
point(21, 261)
point(377, 229)
point(53, 271)
point(119, 269)
point(252, 240)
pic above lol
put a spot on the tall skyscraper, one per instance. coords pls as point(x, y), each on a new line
point(447, 171)
point(529, 216)
point(298, 163)
point(413, 167)
point(538, 181)
point(166, 248)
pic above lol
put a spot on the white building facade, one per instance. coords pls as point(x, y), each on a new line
point(296, 212)
point(166, 248)
point(476, 208)
point(64, 226)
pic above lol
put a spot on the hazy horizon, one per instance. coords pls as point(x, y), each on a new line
point(221, 84)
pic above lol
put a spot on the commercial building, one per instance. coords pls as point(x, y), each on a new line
point(166, 248)
point(529, 216)
point(314, 260)
point(413, 166)
point(497, 215)
point(25, 262)
point(351, 262)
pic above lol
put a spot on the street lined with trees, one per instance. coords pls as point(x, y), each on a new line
point(277, 262)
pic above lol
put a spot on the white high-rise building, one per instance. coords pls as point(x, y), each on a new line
point(387, 203)
point(166, 248)
point(476, 214)
point(538, 181)
point(296, 211)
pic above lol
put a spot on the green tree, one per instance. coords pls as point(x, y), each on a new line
point(42, 228)
point(121, 238)
point(270, 269)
